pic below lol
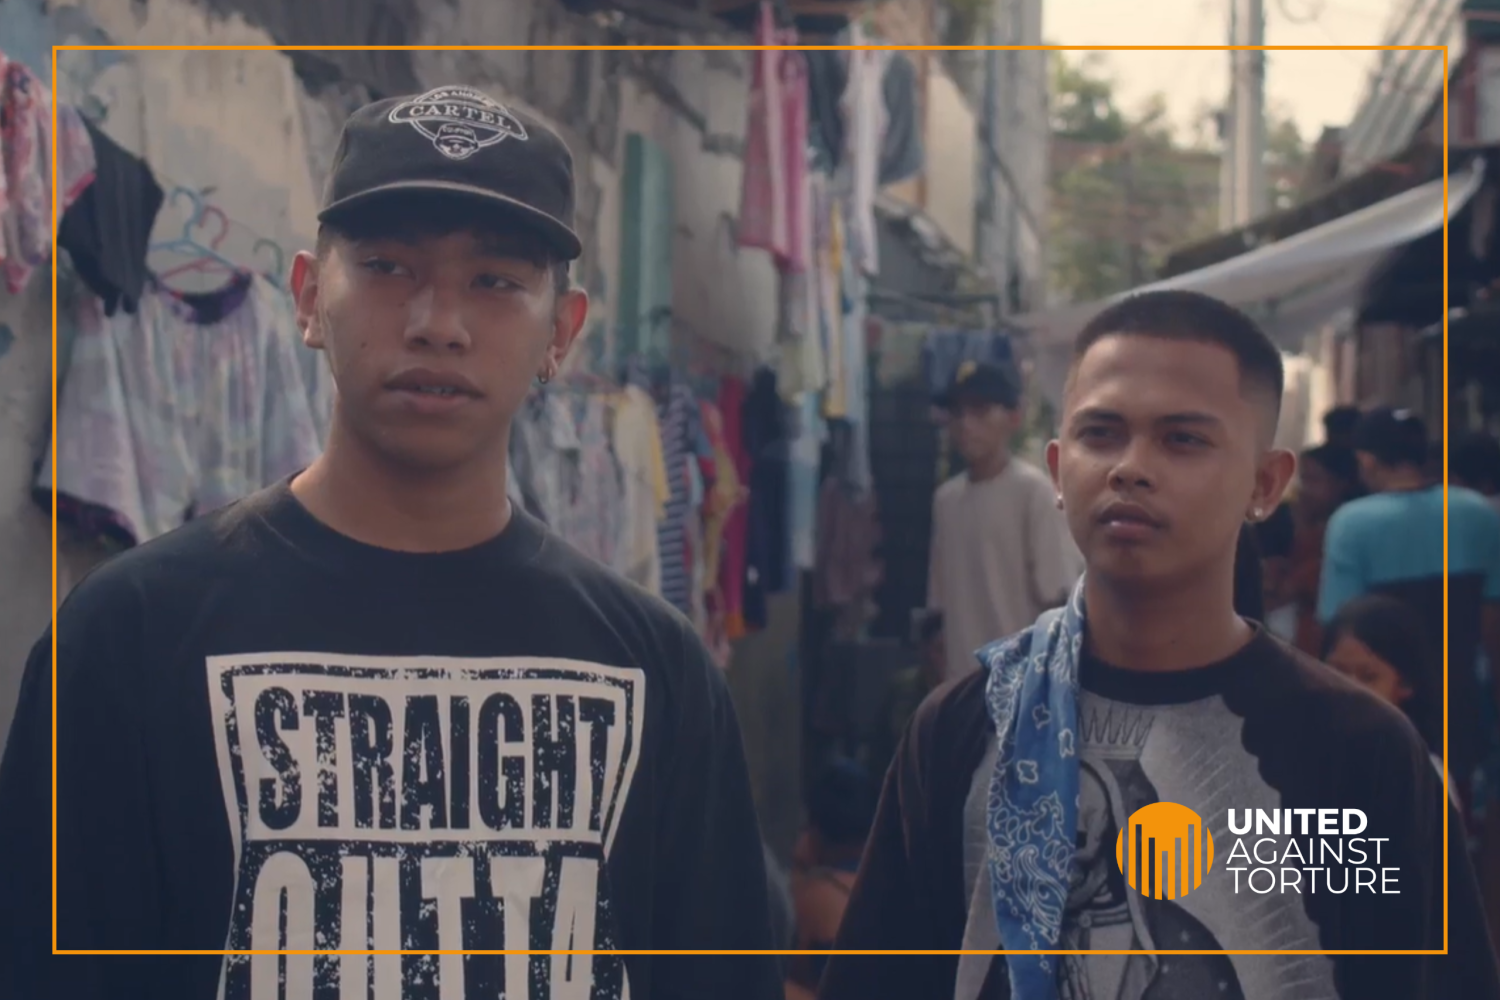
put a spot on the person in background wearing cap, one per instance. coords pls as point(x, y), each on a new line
point(1000, 550)
point(1391, 542)
point(377, 707)
point(999, 821)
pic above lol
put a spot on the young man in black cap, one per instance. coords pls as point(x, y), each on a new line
point(1009, 816)
point(376, 707)
point(1391, 542)
point(1000, 550)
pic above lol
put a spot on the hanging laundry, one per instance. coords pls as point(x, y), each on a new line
point(26, 141)
point(808, 433)
point(773, 194)
point(794, 151)
point(636, 438)
point(849, 570)
point(831, 308)
point(853, 302)
point(725, 498)
point(191, 404)
point(592, 518)
point(767, 546)
point(698, 486)
point(801, 362)
point(901, 150)
point(733, 569)
point(109, 228)
point(75, 158)
point(863, 107)
point(544, 445)
point(681, 442)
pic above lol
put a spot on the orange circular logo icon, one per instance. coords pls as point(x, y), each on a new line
point(1165, 851)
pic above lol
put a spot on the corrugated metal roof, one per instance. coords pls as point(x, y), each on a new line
point(1404, 84)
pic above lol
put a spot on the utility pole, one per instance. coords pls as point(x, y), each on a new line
point(986, 221)
point(1242, 172)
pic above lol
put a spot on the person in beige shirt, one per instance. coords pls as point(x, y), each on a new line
point(1001, 553)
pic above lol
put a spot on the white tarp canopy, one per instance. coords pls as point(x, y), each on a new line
point(1293, 286)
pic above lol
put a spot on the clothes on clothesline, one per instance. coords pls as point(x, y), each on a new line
point(901, 150)
point(189, 404)
point(863, 108)
point(685, 496)
point(774, 189)
point(107, 232)
point(106, 201)
point(26, 170)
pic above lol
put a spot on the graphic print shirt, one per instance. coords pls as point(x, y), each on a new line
point(270, 736)
point(1266, 729)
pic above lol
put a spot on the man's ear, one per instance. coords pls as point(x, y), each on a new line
point(567, 322)
point(1054, 451)
point(305, 274)
point(1277, 466)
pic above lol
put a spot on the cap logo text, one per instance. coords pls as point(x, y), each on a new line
point(460, 121)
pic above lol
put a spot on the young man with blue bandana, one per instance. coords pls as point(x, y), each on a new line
point(1000, 818)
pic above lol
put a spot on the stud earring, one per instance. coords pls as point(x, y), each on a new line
point(1059, 501)
point(1257, 514)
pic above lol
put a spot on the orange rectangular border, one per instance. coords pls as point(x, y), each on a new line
point(745, 48)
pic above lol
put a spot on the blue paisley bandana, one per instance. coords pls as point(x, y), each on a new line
point(1032, 695)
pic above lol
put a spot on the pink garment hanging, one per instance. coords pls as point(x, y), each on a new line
point(26, 137)
point(796, 98)
point(774, 194)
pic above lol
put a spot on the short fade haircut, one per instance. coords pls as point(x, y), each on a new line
point(436, 215)
point(1198, 318)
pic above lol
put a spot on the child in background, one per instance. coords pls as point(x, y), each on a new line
point(841, 809)
point(1377, 641)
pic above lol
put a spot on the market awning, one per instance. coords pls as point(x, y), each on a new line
point(1295, 285)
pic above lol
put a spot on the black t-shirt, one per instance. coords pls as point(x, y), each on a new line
point(1267, 729)
point(108, 229)
point(271, 736)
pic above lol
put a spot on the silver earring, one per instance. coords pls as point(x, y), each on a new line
point(1059, 501)
point(1257, 514)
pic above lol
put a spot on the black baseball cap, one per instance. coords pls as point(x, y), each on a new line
point(1394, 436)
point(981, 382)
point(460, 142)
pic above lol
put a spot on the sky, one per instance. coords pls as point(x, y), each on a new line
point(1315, 88)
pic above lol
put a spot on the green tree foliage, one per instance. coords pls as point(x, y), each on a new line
point(1083, 100)
point(1124, 191)
point(1127, 190)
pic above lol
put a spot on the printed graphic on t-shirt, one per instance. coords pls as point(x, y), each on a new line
point(1132, 757)
point(423, 803)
